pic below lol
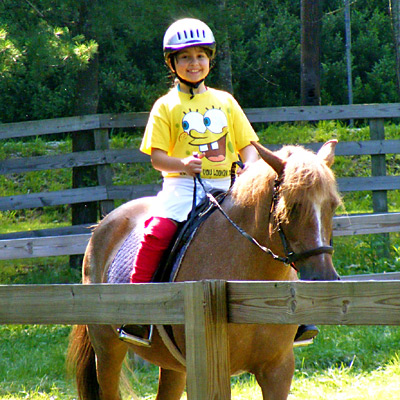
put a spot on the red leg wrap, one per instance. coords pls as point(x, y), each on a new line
point(158, 234)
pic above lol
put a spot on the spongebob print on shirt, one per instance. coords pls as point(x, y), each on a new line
point(213, 144)
point(207, 133)
point(211, 123)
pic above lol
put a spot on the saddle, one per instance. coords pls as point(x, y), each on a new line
point(121, 267)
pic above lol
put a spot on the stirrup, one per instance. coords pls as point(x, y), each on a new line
point(302, 343)
point(306, 332)
point(305, 335)
point(133, 339)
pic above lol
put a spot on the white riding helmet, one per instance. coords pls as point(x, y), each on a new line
point(188, 32)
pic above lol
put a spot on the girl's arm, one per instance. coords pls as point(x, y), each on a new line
point(163, 162)
point(248, 155)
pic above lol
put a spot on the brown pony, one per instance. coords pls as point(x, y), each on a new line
point(301, 204)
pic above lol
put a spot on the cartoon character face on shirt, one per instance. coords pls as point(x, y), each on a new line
point(208, 132)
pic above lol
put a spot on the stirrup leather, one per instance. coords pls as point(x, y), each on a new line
point(136, 340)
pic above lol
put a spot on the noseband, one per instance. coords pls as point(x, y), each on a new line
point(290, 256)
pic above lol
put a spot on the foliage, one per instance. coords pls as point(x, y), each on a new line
point(42, 50)
point(40, 82)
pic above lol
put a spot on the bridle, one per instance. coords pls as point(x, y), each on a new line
point(290, 257)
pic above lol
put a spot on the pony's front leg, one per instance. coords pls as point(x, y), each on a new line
point(171, 384)
point(275, 380)
point(110, 354)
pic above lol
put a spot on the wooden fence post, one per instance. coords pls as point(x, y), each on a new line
point(207, 347)
point(104, 172)
point(378, 168)
point(85, 212)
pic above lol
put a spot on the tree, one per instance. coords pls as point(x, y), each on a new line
point(311, 16)
point(224, 50)
point(394, 6)
point(42, 53)
point(86, 102)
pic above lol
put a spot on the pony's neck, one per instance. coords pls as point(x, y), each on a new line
point(256, 220)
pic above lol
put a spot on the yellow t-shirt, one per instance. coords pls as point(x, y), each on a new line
point(211, 123)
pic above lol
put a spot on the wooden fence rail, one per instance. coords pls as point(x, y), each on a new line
point(46, 243)
point(255, 115)
point(205, 308)
point(325, 303)
point(58, 243)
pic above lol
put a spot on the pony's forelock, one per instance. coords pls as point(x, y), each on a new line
point(307, 179)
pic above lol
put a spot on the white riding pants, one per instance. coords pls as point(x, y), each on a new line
point(175, 199)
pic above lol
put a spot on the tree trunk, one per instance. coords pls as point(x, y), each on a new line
point(86, 102)
point(395, 14)
point(224, 50)
point(225, 65)
point(310, 52)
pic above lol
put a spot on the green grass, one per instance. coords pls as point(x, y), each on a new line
point(344, 384)
point(345, 362)
point(32, 360)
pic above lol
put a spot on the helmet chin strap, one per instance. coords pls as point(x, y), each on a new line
point(190, 84)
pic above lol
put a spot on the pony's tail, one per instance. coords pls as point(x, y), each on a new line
point(81, 362)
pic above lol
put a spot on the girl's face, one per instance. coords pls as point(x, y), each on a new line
point(192, 64)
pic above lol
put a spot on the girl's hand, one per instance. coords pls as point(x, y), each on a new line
point(163, 162)
point(192, 164)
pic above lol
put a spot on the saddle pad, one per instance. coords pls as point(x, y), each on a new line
point(121, 267)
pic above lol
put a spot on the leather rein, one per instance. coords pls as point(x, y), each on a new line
point(290, 257)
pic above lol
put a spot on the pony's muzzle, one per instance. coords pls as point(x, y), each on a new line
point(318, 268)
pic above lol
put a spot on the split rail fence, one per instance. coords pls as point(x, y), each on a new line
point(73, 240)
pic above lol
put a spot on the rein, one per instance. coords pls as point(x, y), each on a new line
point(290, 256)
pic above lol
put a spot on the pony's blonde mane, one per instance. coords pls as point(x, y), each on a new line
point(307, 179)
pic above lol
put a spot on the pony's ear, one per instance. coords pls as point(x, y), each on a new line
point(327, 152)
point(270, 158)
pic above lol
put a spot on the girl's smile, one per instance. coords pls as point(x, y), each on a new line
point(192, 64)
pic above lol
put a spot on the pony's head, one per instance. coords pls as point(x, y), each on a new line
point(303, 205)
